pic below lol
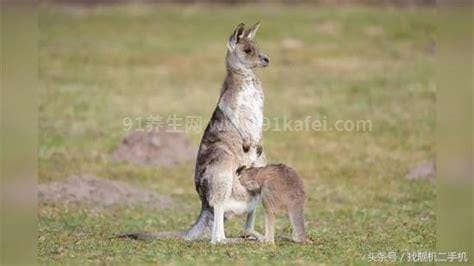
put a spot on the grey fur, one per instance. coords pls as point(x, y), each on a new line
point(232, 138)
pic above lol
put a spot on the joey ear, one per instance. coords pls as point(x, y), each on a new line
point(250, 33)
point(251, 185)
point(236, 36)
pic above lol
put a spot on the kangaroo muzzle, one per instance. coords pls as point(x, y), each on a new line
point(264, 60)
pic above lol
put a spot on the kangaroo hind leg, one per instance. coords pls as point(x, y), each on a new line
point(296, 217)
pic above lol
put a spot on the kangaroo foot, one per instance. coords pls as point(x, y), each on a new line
point(253, 235)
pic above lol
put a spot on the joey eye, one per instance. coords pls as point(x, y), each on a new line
point(248, 50)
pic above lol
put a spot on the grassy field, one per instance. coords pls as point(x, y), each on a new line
point(98, 66)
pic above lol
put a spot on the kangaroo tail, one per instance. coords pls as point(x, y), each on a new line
point(153, 235)
point(197, 230)
point(203, 222)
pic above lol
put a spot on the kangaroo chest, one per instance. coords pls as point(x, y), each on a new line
point(249, 103)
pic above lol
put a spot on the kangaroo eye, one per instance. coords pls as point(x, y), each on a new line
point(248, 51)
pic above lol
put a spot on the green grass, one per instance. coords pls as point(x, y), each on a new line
point(98, 66)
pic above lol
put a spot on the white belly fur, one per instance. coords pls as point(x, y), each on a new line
point(249, 115)
point(240, 207)
point(250, 111)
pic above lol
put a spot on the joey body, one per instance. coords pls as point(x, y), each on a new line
point(281, 191)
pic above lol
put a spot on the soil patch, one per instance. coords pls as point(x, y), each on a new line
point(158, 147)
point(98, 192)
point(425, 170)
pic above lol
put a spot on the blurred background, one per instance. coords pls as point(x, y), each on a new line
point(108, 68)
point(288, 2)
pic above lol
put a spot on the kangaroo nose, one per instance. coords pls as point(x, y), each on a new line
point(265, 60)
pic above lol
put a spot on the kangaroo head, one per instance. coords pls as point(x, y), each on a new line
point(247, 177)
point(242, 51)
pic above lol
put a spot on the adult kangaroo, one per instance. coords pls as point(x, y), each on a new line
point(232, 139)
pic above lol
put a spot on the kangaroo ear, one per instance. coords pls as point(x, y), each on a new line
point(251, 185)
point(240, 170)
point(250, 33)
point(236, 36)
